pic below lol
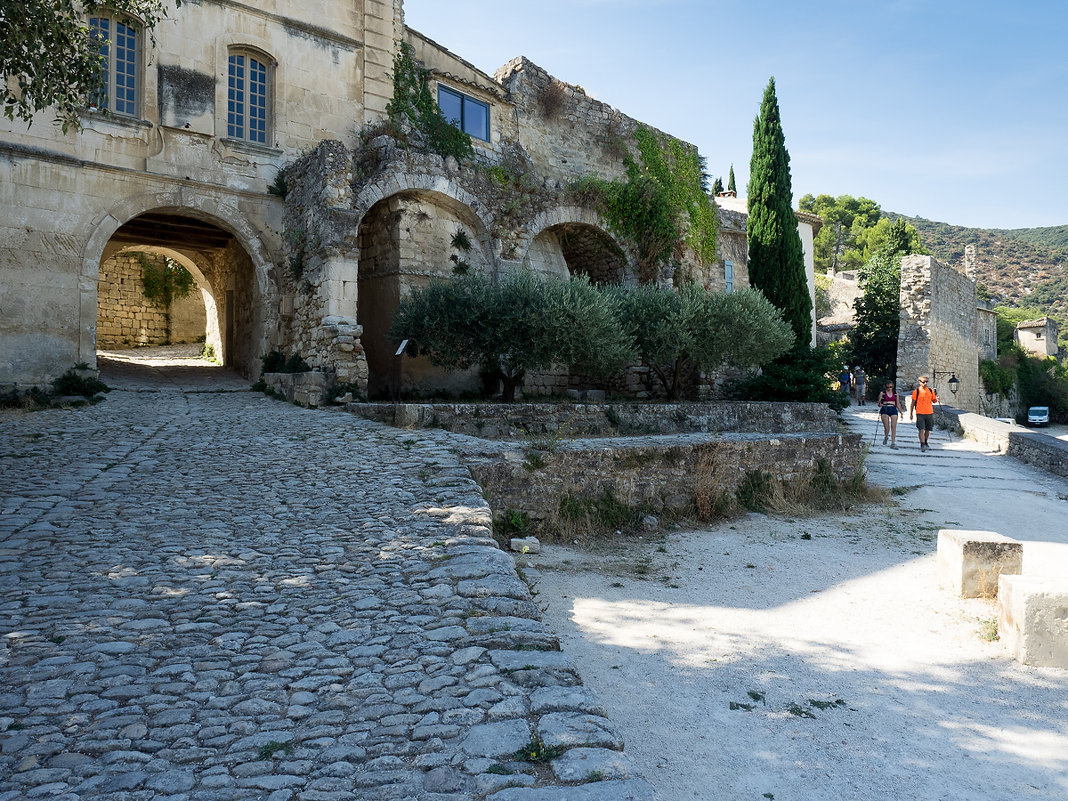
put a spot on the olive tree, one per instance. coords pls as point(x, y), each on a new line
point(679, 331)
point(519, 324)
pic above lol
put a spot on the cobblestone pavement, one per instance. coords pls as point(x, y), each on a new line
point(208, 594)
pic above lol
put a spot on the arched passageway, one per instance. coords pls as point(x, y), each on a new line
point(222, 307)
point(405, 241)
point(577, 249)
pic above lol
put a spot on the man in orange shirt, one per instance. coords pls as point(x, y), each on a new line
point(923, 401)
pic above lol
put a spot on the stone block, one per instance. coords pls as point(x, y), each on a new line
point(970, 562)
point(525, 544)
point(1033, 619)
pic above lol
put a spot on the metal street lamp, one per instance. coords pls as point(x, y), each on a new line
point(954, 383)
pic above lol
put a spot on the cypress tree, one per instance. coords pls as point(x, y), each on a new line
point(730, 182)
point(776, 258)
point(717, 186)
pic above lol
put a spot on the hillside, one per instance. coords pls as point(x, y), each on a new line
point(1020, 267)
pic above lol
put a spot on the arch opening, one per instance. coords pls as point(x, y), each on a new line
point(406, 241)
point(216, 317)
point(570, 249)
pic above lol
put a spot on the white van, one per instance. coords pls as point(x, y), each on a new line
point(1038, 416)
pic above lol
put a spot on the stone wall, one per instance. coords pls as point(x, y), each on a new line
point(1045, 452)
point(562, 421)
point(656, 475)
point(125, 317)
point(304, 389)
point(938, 330)
point(986, 335)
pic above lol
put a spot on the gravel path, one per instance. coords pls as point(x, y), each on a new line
point(810, 659)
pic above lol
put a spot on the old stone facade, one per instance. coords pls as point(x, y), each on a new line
point(252, 156)
point(1037, 337)
point(939, 331)
point(175, 173)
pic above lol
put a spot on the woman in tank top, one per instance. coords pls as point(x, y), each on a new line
point(889, 410)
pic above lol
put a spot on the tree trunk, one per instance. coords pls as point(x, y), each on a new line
point(509, 384)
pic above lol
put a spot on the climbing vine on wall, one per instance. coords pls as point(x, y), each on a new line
point(164, 280)
point(661, 207)
point(413, 105)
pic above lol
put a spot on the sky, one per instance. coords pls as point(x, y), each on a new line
point(944, 109)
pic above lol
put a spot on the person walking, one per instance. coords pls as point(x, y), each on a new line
point(845, 382)
point(923, 400)
point(889, 410)
point(860, 384)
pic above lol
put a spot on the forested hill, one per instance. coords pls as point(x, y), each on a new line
point(1019, 267)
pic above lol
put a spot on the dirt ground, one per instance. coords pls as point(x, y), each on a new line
point(817, 658)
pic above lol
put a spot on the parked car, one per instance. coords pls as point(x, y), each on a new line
point(1038, 416)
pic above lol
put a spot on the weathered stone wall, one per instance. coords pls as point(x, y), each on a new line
point(1037, 337)
point(1048, 453)
point(938, 330)
point(986, 335)
point(125, 317)
point(304, 389)
point(732, 246)
point(62, 196)
point(653, 474)
point(566, 420)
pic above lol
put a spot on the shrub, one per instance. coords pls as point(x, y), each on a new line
point(679, 331)
point(522, 323)
point(72, 383)
point(276, 362)
point(803, 375)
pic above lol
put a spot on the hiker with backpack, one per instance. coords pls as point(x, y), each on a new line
point(923, 400)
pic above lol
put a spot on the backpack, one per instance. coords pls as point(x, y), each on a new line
point(916, 396)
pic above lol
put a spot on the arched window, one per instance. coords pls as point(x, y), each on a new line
point(120, 60)
point(248, 98)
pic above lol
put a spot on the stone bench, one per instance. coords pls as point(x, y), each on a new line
point(970, 562)
point(1033, 619)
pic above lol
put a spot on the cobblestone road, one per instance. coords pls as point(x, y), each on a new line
point(208, 594)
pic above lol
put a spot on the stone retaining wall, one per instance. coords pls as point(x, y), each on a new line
point(649, 475)
point(1029, 447)
point(304, 389)
point(564, 420)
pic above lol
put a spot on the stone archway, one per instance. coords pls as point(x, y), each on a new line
point(226, 257)
point(573, 241)
point(405, 241)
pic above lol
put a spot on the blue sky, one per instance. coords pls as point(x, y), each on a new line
point(953, 111)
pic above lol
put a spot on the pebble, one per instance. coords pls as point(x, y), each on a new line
point(207, 593)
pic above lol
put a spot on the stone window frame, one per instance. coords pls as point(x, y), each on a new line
point(461, 123)
point(240, 131)
point(123, 91)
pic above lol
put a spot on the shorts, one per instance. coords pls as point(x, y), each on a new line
point(925, 422)
point(890, 410)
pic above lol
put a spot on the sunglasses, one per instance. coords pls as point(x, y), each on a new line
point(922, 381)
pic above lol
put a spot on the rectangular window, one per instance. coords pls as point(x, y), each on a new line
point(119, 62)
point(728, 275)
point(247, 98)
point(469, 115)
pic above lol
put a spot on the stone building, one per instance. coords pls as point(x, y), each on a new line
point(941, 331)
point(1037, 337)
point(251, 146)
